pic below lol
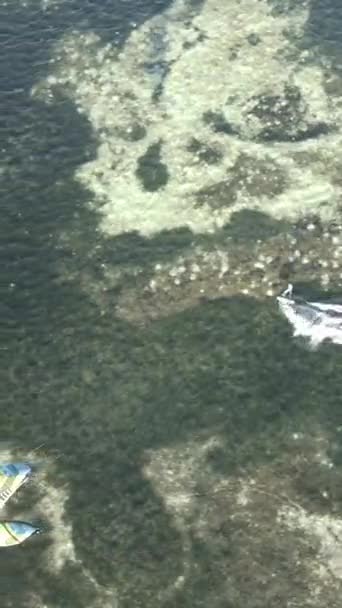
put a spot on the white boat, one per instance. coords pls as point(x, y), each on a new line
point(315, 321)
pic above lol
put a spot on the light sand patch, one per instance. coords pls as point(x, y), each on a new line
point(62, 552)
point(174, 474)
point(252, 524)
point(204, 65)
point(52, 508)
point(327, 529)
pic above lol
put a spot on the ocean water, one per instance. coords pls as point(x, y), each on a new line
point(165, 169)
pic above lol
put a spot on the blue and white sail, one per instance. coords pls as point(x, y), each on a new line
point(15, 532)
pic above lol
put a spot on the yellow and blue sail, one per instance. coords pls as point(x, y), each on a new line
point(12, 476)
point(15, 532)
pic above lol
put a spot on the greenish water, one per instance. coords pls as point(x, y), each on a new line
point(102, 393)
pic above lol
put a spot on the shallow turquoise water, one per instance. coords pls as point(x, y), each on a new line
point(100, 392)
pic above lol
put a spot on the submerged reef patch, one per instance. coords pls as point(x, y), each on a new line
point(204, 153)
point(284, 117)
point(194, 434)
point(249, 177)
point(254, 526)
point(151, 171)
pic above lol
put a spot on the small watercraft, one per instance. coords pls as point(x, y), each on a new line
point(315, 321)
point(15, 532)
point(12, 477)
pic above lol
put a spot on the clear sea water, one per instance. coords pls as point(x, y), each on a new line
point(101, 393)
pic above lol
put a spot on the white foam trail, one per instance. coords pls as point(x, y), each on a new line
point(315, 321)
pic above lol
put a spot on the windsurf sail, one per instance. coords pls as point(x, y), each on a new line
point(15, 532)
point(12, 476)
